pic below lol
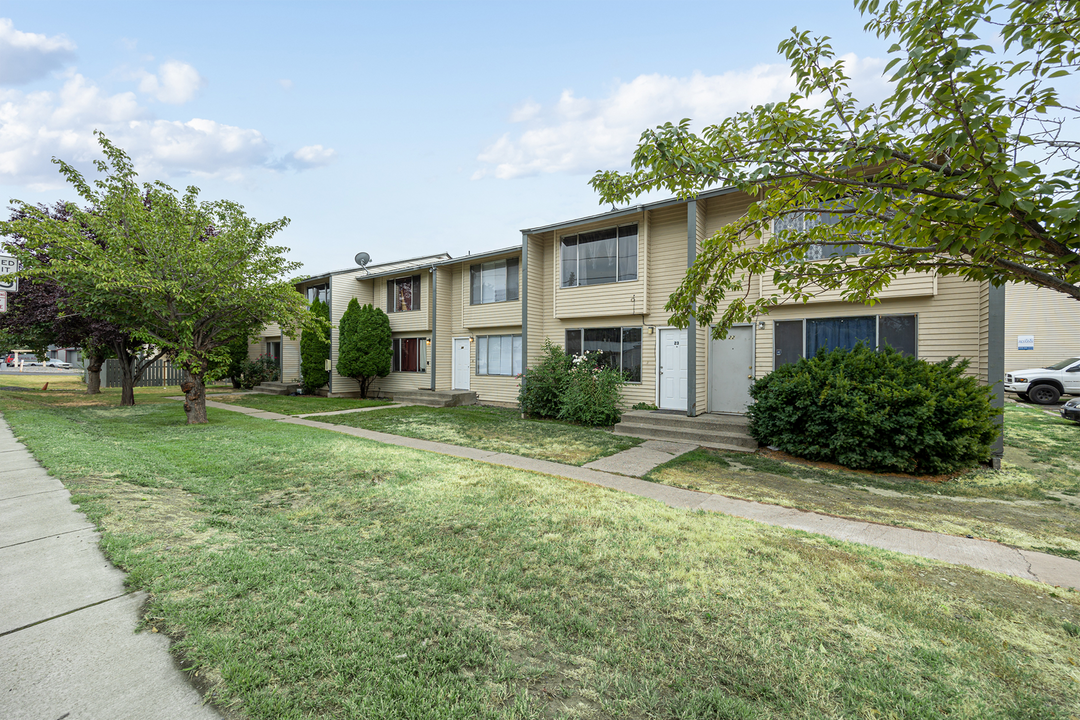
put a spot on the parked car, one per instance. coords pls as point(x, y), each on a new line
point(1071, 410)
point(1045, 385)
point(53, 362)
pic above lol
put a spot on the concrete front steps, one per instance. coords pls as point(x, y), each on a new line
point(723, 432)
point(276, 388)
point(437, 398)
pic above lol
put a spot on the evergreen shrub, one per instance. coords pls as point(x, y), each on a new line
point(877, 411)
point(315, 350)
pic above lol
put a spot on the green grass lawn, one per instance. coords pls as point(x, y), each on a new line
point(304, 573)
point(1034, 502)
point(297, 404)
point(492, 428)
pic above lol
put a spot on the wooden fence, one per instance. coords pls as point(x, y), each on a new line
point(161, 373)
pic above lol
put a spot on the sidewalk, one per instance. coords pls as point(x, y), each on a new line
point(981, 554)
point(68, 644)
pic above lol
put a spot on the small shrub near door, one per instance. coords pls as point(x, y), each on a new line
point(580, 389)
point(256, 372)
point(877, 411)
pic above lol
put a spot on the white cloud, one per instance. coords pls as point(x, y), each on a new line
point(311, 156)
point(28, 56)
point(526, 111)
point(175, 83)
point(285, 83)
point(582, 135)
point(34, 127)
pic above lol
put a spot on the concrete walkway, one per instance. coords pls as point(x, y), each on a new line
point(68, 645)
point(982, 554)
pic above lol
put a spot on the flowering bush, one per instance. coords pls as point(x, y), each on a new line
point(581, 389)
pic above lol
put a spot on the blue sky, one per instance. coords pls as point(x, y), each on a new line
point(396, 128)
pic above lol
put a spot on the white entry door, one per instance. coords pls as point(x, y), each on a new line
point(672, 379)
point(731, 370)
point(462, 363)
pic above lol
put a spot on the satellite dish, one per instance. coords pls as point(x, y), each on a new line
point(362, 259)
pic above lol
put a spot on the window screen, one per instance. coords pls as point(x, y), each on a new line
point(900, 332)
point(788, 342)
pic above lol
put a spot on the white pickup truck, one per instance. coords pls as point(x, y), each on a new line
point(1045, 385)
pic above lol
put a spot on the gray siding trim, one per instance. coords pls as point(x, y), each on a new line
point(434, 319)
point(995, 365)
point(636, 209)
point(691, 330)
point(523, 292)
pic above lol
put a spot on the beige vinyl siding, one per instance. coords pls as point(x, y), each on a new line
point(1052, 317)
point(948, 324)
point(343, 288)
point(541, 295)
point(627, 297)
point(290, 360)
point(701, 400)
point(404, 381)
point(667, 259)
point(442, 344)
point(408, 320)
point(910, 285)
point(493, 388)
point(488, 388)
point(490, 314)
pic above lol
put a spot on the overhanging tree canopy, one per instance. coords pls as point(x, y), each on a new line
point(967, 168)
point(187, 276)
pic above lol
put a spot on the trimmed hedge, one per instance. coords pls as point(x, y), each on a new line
point(877, 411)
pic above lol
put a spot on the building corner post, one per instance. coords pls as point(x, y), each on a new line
point(995, 366)
point(523, 285)
point(691, 330)
point(434, 320)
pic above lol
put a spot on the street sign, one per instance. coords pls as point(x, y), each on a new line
point(3, 301)
point(8, 266)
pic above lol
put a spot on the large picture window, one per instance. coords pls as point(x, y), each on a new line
point(600, 256)
point(619, 348)
point(403, 294)
point(409, 355)
point(793, 339)
point(492, 282)
point(498, 355)
point(804, 221)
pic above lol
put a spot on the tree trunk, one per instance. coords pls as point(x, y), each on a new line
point(127, 381)
point(93, 373)
point(194, 399)
point(235, 383)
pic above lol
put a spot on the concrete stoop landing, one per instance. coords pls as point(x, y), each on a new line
point(723, 432)
point(276, 388)
point(436, 398)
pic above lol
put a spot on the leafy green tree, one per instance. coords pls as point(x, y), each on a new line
point(235, 359)
point(366, 346)
point(183, 275)
point(965, 169)
point(315, 350)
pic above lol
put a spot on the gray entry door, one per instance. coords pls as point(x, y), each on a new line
point(731, 370)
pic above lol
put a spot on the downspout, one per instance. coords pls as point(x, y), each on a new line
point(995, 366)
point(523, 291)
point(330, 357)
point(434, 320)
point(691, 329)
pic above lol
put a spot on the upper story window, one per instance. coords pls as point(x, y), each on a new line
point(403, 294)
point(600, 256)
point(492, 282)
point(805, 220)
point(318, 292)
